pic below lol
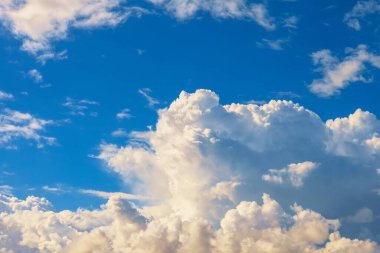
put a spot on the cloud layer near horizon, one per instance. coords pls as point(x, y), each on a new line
point(201, 172)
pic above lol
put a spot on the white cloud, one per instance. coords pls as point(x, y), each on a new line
point(294, 173)
point(81, 107)
point(35, 75)
point(238, 9)
point(360, 10)
point(15, 125)
point(119, 133)
point(39, 22)
point(5, 96)
point(276, 45)
point(124, 114)
point(199, 172)
point(119, 226)
point(362, 216)
point(337, 74)
point(198, 144)
point(355, 136)
point(110, 195)
point(152, 102)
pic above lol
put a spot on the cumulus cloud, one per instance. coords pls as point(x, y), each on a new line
point(294, 173)
point(39, 22)
point(338, 74)
point(199, 172)
point(15, 125)
point(360, 10)
point(119, 226)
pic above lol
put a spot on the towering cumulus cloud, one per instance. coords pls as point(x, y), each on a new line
point(201, 173)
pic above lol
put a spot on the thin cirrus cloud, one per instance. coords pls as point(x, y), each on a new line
point(207, 156)
point(337, 73)
point(80, 107)
point(152, 102)
point(360, 11)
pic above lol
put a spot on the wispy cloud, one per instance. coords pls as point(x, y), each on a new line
point(276, 45)
point(35, 75)
point(15, 125)
point(81, 107)
point(338, 74)
point(152, 102)
point(360, 10)
point(124, 114)
point(38, 23)
point(108, 195)
point(119, 133)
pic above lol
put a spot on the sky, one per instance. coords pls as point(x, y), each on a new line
point(190, 126)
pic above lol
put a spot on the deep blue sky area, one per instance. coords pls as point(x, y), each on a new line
point(159, 52)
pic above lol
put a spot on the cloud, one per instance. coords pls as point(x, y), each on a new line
point(15, 125)
point(80, 107)
point(276, 45)
point(35, 75)
point(119, 133)
point(238, 9)
point(199, 171)
point(5, 96)
point(362, 216)
point(119, 226)
point(198, 144)
point(290, 22)
point(152, 102)
point(39, 22)
point(337, 74)
point(294, 173)
point(110, 195)
point(360, 10)
point(124, 114)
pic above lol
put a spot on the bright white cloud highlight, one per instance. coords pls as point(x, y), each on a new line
point(194, 170)
point(360, 10)
point(338, 74)
point(119, 226)
point(293, 173)
point(15, 125)
point(39, 22)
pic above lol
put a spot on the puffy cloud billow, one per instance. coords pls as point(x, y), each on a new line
point(199, 177)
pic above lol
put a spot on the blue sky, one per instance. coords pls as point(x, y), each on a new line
point(87, 68)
